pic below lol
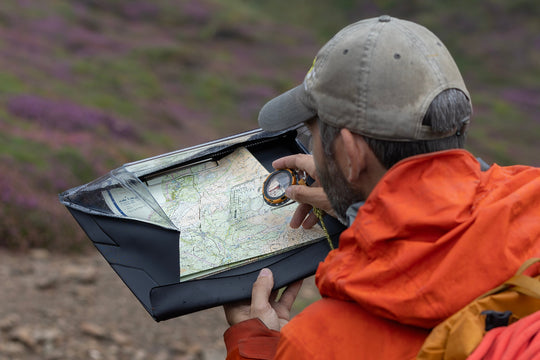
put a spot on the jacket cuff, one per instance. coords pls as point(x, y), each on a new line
point(252, 339)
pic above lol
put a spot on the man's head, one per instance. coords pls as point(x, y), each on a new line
point(445, 112)
point(389, 83)
point(377, 78)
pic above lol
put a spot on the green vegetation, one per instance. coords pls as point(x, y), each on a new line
point(23, 151)
point(109, 82)
point(74, 160)
point(11, 84)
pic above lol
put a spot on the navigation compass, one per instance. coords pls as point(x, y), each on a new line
point(277, 182)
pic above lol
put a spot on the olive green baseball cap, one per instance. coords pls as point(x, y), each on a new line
point(376, 77)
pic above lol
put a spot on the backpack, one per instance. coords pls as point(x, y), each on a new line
point(458, 336)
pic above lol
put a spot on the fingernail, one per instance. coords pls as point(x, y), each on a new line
point(265, 272)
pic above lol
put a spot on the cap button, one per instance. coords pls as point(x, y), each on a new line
point(384, 18)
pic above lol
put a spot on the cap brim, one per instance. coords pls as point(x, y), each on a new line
point(285, 111)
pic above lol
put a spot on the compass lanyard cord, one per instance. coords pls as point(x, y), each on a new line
point(319, 214)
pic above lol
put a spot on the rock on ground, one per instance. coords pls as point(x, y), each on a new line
point(57, 307)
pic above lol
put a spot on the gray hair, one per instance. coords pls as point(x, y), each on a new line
point(451, 109)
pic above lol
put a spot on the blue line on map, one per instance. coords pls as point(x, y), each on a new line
point(115, 204)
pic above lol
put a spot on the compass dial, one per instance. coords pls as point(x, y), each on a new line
point(275, 185)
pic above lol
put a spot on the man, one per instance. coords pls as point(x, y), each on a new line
point(429, 230)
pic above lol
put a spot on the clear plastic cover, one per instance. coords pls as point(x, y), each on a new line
point(122, 193)
point(211, 194)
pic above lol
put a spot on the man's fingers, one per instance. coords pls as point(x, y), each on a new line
point(299, 162)
point(237, 312)
point(310, 221)
point(274, 314)
point(283, 307)
point(299, 215)
point(312, 195)
point(303, 216)
point(289, 295)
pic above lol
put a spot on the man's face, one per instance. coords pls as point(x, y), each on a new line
point(340, 194)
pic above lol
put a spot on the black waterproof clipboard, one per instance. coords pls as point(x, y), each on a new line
point(146, 255)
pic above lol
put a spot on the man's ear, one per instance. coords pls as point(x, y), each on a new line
point(355, 156)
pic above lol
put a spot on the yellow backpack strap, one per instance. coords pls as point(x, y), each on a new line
point(460, 334)
point(522, 283)
point(525, 285)
point(527, 264)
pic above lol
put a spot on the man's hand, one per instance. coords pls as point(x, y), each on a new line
point(307, 196)
point(274, 314)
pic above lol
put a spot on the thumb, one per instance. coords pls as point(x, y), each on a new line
point(260, 300)
point(262, 288)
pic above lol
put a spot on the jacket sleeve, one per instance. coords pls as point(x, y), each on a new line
point(251, 339)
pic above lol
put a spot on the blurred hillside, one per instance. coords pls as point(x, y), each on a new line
point(88, 85)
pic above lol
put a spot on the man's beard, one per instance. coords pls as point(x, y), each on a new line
point(337, 189)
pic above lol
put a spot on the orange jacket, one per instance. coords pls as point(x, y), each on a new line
point(434, 234)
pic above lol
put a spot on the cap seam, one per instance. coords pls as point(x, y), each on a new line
point(321, 61)
point(423, 46)
point(365, 69)
point(327, 49)
point(441, 79)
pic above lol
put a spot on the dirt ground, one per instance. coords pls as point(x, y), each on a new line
point(76, 307)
